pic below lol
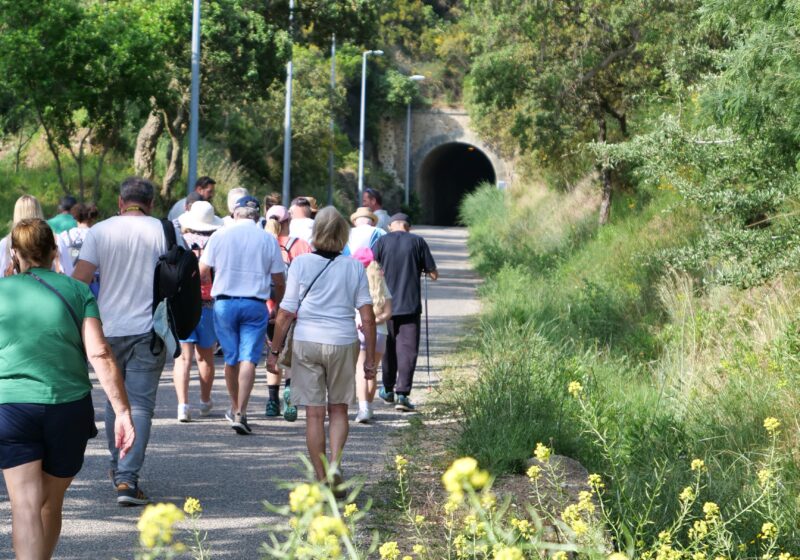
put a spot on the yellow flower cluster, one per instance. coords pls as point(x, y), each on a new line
point(324, 526)
point(419, 549)
point(699, 530)
point(350, 509)
point(699, 465)
point(473, 526)
point(711, 510)
point(304, 497)
point(575, 388)
point(534, 473)
point(401, 464)
point(192, 506)
point(768, 531)
point(155, 524)
point(771, 425)
point(464, 473)
point(389, 551)
point(508, 553)
point(617, 556)
point(419, 519)
point(542, 452)
point(765, 477)
point(596, 482)
point(523, 526)
point(560, 555)
point(687, 494)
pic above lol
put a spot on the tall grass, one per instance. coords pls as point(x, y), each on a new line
point(672, 368)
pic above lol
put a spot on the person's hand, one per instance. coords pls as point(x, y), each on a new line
point(272, 363)
point(361, 327)
point(124, 433)
point(370, 371)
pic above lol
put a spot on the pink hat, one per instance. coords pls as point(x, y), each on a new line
point(278, 212)
point(364, 255)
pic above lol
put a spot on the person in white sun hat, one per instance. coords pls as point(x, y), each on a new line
point(197, 225)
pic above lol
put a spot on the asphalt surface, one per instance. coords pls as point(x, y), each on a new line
point(233, 475)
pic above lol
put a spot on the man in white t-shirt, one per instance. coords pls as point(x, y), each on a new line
point(302, 225)
point(125, 250)
point(244, 259)
point(204, 186)
point(364, 234)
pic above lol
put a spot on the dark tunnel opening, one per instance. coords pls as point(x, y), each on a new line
point(447, 174)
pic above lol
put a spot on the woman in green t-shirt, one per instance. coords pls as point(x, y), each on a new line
point(46, 411)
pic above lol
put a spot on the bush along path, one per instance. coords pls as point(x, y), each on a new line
point(231, 476)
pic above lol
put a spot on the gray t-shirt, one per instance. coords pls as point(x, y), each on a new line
point(125, 249)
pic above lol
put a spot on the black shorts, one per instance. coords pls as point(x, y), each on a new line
point(56, 434)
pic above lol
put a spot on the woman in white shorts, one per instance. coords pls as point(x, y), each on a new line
point(323, 289)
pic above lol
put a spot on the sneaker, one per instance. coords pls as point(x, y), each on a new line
point(363, 416)
point(241, 426)
point(404, 404)
point(387, 396)
point(206, 407)
point(289, 410)
point(229, 415)
point(183, 413)
point(370, 413)
point(273, 408)
point(130, 495)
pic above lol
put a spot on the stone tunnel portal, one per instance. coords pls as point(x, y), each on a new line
point(447, 174)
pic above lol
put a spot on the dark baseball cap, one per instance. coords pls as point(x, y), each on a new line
point(248, 202)
point(400, 217)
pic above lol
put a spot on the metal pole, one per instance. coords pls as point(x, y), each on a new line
point(287, 122)
point(408, 153)
point(427, 335)
point(194, 105)
point(333, 121)
point(361, 127)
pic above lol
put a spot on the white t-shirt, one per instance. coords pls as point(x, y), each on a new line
point(177, 209)
point(125, 249)
point(243, 257)
point(301, 228)
point(5, 255)
point(66, 239)
point(327, 312)
point(63, 257)
point(363, 236)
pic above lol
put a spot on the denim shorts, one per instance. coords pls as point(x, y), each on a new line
point(203, 334)
point(241, 325)
point(56, 434)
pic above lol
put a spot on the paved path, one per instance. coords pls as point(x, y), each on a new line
point(232, 475)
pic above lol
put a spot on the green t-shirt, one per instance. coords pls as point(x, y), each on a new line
point(41, 352)
point(62, 222)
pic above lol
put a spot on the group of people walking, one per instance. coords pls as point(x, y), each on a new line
point(328, 301)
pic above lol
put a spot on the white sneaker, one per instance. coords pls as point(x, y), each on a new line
point(206, 407)
point(370, 412)
point(183, 413)
point(363, 416)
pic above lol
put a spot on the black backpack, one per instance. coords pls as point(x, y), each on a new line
point(177, 279)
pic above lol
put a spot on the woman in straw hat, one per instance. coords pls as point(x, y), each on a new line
point(197, 225)
point(364, 234)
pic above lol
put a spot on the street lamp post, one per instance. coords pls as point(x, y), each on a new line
point(287, 122)
point(194, 104)
point(364, 56)
point(414, 78)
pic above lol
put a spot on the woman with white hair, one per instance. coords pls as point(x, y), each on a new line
point(322, 291)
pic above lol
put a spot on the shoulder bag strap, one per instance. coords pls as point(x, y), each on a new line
point(313, 282)
point(169, 233)
point(66, 304)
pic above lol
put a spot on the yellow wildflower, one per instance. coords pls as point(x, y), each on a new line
point(389, 551)
point(192, 506)
point(542, 452)
point(596, 482)
point(711, 510)
point(771, 425)
point(488, 501)
point(332, 548)
point(698, 465)
point(523, 526)
point(699, 530)
point(155, 524)
point(585, 502)
point(765, 477)
point(324, 525)
point(508, 553)
point(304, 497)
point(784, 556)
point(699, 556)
point(561, 555)
point(460, 544)
point(450, 506)
point(617, 556)
point(407, 557)
point(687, 494)
point(534, 473)
point(464, 472)
point(768, 531)
point(419, 520)
point(350, 509)
point(575, 388)
point(665, 537)
point(418, 549)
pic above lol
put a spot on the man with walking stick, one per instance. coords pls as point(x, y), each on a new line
point(404, 257)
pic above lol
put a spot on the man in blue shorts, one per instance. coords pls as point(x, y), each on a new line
point(244, 258)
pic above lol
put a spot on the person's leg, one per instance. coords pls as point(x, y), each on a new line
point(226, 325)
point(143, 372)
point(180, 373)
point(122, 348)
point(361, 383)
point(26, 494)
point(372, 384)
point(253, 323)
point(315, 438)
point(247, 378)
point(407, 331)
point(54, 490)
point(339, 427)
point(389, 362)
point(205, 365)
point(232, 384)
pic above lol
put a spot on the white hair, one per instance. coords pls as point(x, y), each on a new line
point(235, 194)
point(245, 212)
point(363, 221)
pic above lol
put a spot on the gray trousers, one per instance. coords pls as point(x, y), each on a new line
point(400, 359)
point(141, 371)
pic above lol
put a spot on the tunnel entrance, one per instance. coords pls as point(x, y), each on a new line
point(447, 174)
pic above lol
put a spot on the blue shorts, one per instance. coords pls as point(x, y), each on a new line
point(203, 334)
point(241, 325)
point(56, 434)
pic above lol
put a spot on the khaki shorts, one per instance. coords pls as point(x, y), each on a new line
point(323, 374)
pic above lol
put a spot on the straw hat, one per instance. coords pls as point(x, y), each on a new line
point(363, 212)
point(200, 217)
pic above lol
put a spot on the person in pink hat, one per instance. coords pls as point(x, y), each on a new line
point(277, 223)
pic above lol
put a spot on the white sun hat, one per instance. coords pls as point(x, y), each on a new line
point(200, 217)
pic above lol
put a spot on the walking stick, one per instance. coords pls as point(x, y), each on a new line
point(427, 335)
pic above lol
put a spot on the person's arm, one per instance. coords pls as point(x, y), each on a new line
point(368, 328)
point(105, 366)
point(84, 271)
point(386, 314)
point(282, 323)
point(428, 264)
point(279, 287)
point(205, 273)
